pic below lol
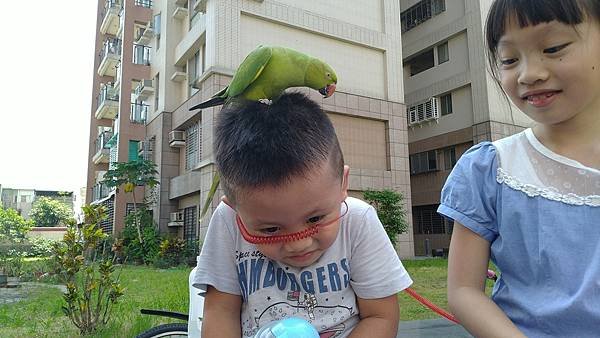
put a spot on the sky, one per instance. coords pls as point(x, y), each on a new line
point(46, 60)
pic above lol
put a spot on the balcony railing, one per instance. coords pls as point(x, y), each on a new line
point(111, 46)
point(110, 17)
point(141, 55)
point(107, 92)
point(139, 113)
point(100, 191)
point(102, 139)
point(143, 3)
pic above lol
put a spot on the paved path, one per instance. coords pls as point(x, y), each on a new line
point(431, 328)
point(12, 295)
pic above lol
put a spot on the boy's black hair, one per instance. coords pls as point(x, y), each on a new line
point(259, 145)
point(533, 12)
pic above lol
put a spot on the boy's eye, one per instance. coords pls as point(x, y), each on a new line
point(314, 220)
point(556, 48)
point(269, 231)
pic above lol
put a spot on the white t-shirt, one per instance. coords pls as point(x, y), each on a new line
point(361, 262)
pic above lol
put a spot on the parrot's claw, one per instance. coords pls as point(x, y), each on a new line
point(266, 101)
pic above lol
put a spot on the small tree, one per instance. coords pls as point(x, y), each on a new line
point(92, 290)
point(48, 212)
point(12, 225)
point(131, 174)
point(390, 210)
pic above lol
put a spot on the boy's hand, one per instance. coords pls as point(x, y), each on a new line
point(378, 317)
point(221, 314)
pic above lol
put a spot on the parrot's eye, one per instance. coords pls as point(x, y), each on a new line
point(329, 75)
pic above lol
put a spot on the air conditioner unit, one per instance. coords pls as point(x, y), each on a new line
point(176, 216)
point(177, 139)
point(423, 112)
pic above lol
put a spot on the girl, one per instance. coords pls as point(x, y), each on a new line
point(531, 202)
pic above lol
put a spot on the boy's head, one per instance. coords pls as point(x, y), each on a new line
point(283, 171)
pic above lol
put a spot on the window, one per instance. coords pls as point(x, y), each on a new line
point(421, 12)
point(421, 62)
point(156, 24)
point(443, 55)
point(446, 104)
point(449, 158)
point(133, 151)
point(156, 91)
point(193, 149)
point(195, 69)
point(423, 162)
point(426, 220)
point(189, 224)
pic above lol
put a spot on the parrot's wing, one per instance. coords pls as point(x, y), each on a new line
point(249, 70)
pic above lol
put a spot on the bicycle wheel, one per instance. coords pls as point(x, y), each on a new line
point(166, 330)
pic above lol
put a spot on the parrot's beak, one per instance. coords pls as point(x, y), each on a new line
point(327, 91)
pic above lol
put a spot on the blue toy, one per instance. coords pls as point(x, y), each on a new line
point(292, 327)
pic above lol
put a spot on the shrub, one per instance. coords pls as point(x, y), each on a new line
point(388, 204)
point(147, 251)
point(92, 288)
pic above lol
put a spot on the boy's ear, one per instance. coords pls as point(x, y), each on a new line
point(226, 201)
point(345, 182)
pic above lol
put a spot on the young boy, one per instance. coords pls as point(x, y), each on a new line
point(286, 239)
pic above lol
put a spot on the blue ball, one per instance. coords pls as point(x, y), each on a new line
point(294, 327)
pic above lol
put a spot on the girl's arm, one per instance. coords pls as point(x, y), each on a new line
point(221, 314)
point(467, 266)
point(378, 318)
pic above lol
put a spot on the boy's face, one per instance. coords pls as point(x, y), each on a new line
point(293, 208)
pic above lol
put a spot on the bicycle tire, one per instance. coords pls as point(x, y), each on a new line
point(166, 330)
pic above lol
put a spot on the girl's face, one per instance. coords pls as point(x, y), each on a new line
point(551, 71)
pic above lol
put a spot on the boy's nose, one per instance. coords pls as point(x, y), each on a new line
point(299, 246)
point(533, 71)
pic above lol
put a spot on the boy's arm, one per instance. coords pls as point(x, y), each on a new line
point(467, 266)
point(221, 314)
point(378, 317)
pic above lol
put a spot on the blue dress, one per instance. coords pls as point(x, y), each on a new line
point(541, 214)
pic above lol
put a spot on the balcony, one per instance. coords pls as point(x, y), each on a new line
point(110, 20)
point(117, 84)
point(102, 147)
point(110, 56)
point(99, 192)
point(180, 13)
point(141, 55)
point(144, 34)
point(143, 90)
point(139, 113)
point(107, 102)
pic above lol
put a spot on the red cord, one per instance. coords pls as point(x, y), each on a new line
point(430, 305)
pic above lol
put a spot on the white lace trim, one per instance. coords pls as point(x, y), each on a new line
point(550, 193)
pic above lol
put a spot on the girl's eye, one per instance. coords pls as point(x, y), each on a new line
point(555, 49)
point(507, 62)
point(314, 220)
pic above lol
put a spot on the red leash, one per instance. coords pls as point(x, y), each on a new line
point(430, 305)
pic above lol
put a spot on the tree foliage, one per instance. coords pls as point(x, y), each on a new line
point(390, 210)
point(48, 212)
point(92, 287)
point(12, 225)
point(131, 174)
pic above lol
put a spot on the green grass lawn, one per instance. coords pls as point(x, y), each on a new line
point(41, 315)
point(429, 280)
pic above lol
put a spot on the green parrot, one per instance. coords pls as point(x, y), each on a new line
point(267, 71)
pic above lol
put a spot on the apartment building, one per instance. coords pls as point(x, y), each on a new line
point(194, 48)
point(452, 102)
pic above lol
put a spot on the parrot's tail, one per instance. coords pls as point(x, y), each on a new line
point(215, 101)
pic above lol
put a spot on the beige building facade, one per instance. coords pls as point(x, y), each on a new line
point(452, 103)
point(194, 49)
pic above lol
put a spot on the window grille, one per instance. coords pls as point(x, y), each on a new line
point(192, 146)
point(421, 12)
point(423, 162)
point(107, 223)
point(189, 224)
point(426, 220)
